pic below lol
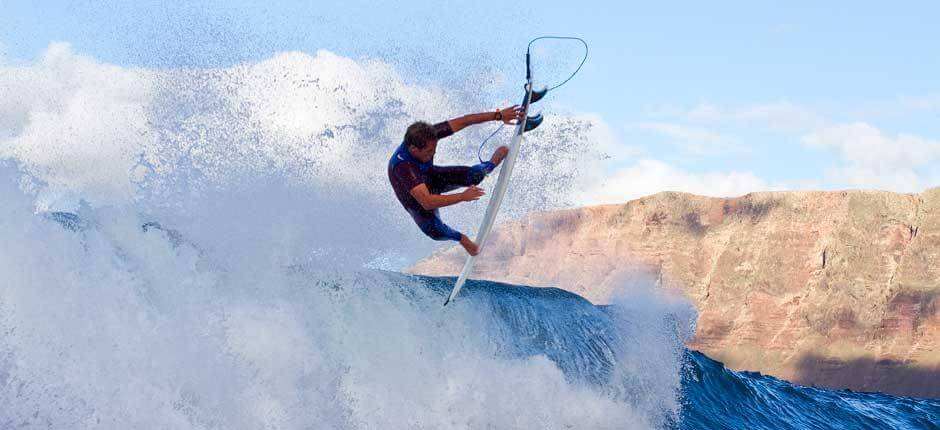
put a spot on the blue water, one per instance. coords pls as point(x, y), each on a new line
point(718, 398)
point(584, 339)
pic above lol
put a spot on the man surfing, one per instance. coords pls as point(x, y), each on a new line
point(420, 185)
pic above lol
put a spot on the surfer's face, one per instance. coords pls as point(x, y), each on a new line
point(424, 154)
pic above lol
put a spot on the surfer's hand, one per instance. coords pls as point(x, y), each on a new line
point(472, 193)
point(511, 115)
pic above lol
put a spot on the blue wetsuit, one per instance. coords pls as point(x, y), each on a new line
point(405, 172)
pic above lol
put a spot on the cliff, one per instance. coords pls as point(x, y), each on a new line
point(833, 289)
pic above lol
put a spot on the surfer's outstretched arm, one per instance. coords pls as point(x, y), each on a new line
point(506, 115)
point(429, 201)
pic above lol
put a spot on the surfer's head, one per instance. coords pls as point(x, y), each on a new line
point(421, 140)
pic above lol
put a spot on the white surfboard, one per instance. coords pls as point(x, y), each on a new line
point(502, 183)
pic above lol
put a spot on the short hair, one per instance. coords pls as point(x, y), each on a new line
point(419, 134)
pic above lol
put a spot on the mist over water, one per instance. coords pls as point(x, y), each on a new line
point(115, 326)
point(220, 272)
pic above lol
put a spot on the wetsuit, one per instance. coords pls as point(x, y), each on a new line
point(406, 172)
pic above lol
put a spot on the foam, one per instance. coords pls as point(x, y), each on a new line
point(122, 329)
point(255, 310)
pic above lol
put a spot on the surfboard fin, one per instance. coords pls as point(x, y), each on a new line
point(533, 121)
point(536, 95)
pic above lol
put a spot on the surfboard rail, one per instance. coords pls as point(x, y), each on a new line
point(528, 123)
point(502, 184)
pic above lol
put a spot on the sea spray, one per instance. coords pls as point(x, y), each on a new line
point(210, 272)
point(121, 328)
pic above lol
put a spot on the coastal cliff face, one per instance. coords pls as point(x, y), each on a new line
point(833, 289)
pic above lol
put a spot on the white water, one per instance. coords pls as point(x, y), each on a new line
point(274, 175)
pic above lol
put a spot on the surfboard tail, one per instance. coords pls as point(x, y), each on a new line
point(462, 279)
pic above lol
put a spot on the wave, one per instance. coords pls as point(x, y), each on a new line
point(100, 344)
point(715, 397)
point(110, 324)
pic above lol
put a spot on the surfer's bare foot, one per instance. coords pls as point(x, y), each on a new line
point(468, 245)
point(499, 155)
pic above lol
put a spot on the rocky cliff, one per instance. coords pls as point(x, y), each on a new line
point(834, 289)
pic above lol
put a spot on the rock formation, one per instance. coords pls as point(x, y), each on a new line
point(834, 289)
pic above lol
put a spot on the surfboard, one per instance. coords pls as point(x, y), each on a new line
point(528, 123)
point(502, 182)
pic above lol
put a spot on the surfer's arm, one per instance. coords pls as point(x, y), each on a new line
point(429, 201)
point(507, 115)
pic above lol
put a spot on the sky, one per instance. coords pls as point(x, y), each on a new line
point(717, 98)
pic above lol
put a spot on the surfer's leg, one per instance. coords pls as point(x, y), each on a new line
point(434, 228)
point(478, 172)
point(437, 230)
point(442, 179)
point(499, 154)
point(469, 245)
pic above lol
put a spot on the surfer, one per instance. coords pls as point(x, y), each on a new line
point(420, 185)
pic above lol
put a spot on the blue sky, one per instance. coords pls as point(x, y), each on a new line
point(794, 95)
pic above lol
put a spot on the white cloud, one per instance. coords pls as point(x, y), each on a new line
point(931, 178)
point(874, 159)
point(902, 180)
point(694, 140)
point(606, 141)
point(781, 116)
point(871, 159)
point(908, 104)
point(785, 116)
point(899, 107)
point(866, 146)
point(649, 176)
